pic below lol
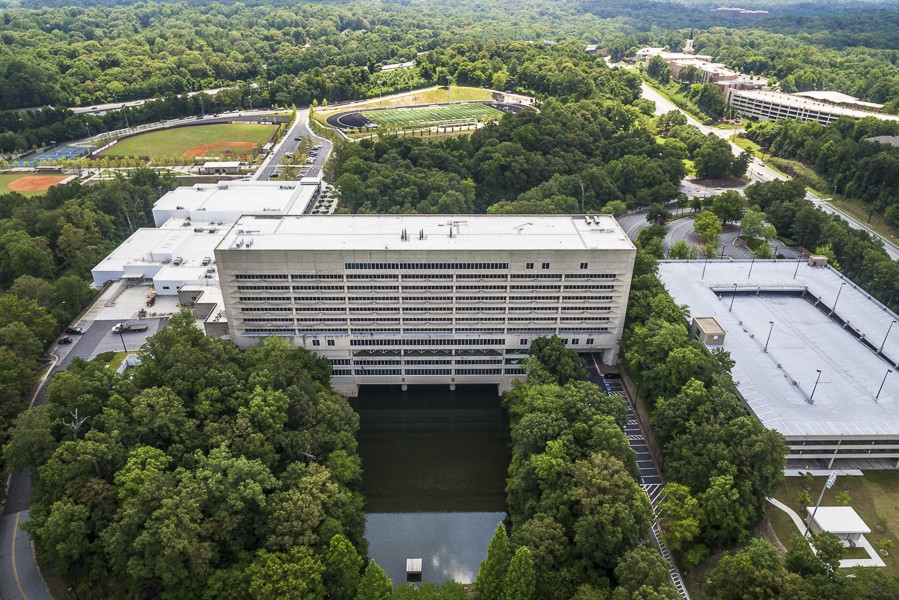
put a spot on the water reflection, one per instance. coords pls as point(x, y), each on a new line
point(435, 464)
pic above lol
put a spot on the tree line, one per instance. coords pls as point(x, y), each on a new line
point(204, 472)
point(720, 461)
point(48, 245)
point(842, 157)
point(579, 519)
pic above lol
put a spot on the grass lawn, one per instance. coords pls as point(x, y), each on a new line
point(414, 117)
point(7, 178)
point(872, 495)
point(425, 96)
point(860, 211)
point(178, 140)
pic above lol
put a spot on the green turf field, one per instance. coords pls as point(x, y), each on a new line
point(179, 140)
point(414, 117)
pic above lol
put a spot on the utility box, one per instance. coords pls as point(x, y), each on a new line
point(707, 330)
point(817, 260)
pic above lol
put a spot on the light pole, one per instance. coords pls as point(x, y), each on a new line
point(840, 291)
point(751, 264)
point(380, 94)
point(125, 348)
point(812, 397)
point(734, 295)
point(883, 382)
point(831, 479)
point(796, 272)
point(770, 329)
point(880, 350)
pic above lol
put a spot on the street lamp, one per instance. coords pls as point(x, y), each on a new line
point(840, 291)
point(812, 397)
point(770, 329)
point(125, 348)
point(732, 298)
point(880, 350)
point(883, 382)
point(798, 262)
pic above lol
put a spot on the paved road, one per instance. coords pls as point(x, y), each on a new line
point(20, 580)
point(290, 143)
point(19, 577)
point(757, 172)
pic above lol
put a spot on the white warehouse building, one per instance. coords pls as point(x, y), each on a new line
point(420, 299)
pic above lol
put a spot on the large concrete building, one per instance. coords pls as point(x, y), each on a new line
point(427, 299)
point(773, 106)
point(816, 356)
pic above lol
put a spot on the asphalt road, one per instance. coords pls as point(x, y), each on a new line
point(290, 144)
point(19, 578)
point(757, 172)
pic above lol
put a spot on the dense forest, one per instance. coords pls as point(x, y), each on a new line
point(48, 245)
point(205, 472)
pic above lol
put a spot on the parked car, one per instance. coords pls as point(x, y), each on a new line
point(288, 154)
point(74, 330)
point(64, 340)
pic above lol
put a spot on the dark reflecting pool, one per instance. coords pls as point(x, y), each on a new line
point(434, 477)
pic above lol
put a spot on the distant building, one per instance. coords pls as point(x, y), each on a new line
point(840, 99)
point(422, 299)
point(591, 48)
point(773, 106)
point(740, 12)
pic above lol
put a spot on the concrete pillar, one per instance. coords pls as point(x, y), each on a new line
point(405, 387)
point(452, 387)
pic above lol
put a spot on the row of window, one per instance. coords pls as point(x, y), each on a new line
point(419, 276)
point(439, 266)
point(427, 309)
point(421, 372)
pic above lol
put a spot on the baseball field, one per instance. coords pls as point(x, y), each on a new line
point(28, 184)
point(237, 139)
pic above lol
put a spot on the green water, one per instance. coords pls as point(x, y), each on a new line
point(434, 476)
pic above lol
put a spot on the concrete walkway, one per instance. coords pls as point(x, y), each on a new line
point(874, 559)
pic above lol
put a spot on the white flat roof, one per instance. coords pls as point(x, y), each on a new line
point(810, 104)
point(221, 164)
point(470, 232)
point(839, 519)
point(235, 198)
point(836, 98)
point(777, 384)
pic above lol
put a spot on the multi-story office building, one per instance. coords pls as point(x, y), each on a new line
point(774, 106)
point(427, 299)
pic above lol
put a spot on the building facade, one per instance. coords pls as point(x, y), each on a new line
point(407, 300)
point(774, 106)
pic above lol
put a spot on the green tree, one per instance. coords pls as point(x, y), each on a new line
point(31, 442)
point(681, 250)
point(659, 70)
point(708, 227)
point(680, 515)
point(492, 572)
point(553, 358)
point(343, 567)
point(641, 570)
point(714, 159)
point(729, 206)
point(754, 573)
point(297, 574)
point(375, 585)
point(520, 580)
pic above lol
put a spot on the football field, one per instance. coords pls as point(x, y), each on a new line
point(414, 117)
